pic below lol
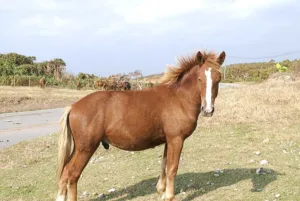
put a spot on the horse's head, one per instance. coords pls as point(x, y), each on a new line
point(209, 77)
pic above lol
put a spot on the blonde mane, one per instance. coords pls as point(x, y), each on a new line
point(185, 64)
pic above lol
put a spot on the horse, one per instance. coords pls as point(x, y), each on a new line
point(42, 83)
point(78, 84)
point(165, 114)
point(124, 85)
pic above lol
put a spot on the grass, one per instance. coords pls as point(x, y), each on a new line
point(259, 117)
point(17, 99)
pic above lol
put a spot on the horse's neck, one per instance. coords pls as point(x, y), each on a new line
point(191, 100)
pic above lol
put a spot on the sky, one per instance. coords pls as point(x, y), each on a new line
point(106, 37)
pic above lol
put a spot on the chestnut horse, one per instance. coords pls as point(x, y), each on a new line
point(42, 83)
point(138, 120)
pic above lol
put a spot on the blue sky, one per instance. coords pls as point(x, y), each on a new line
point(116, 36)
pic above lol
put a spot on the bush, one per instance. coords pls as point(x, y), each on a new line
point(257, 71)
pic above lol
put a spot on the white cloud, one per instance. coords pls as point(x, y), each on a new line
point(161, 16)
point(153, 10)
point(46, 4)
point(21, 5)
point(32, 21)
point(114, 27)
point(48, 25)
point(61, 22)
point(149, 11)
point(246, 8)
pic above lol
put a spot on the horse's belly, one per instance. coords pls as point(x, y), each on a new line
point(138, 142)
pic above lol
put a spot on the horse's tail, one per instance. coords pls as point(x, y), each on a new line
point(64, 142)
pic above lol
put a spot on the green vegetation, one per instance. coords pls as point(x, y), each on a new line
point(21, 70)
point(258, 71)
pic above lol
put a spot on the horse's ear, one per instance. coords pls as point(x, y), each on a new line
point(200, 58)
point(221, 58)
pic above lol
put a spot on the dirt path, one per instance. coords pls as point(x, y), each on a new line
point(21, 126)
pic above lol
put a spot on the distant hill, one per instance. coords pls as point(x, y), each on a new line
point(154, 78)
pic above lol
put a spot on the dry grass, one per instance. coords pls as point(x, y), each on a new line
point(261, 117)
point(16, 99)
point(270, 102)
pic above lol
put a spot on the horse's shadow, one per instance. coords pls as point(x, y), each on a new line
point(200, 183)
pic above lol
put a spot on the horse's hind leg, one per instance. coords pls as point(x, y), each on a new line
point(74, 168)
point(161, 184)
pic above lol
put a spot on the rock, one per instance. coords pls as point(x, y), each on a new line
point(111, 190)
point(219, 171)
point(210, 183)
point(277, 195)
point(259, 170)
point(93, 160)
point(266, 140)
point(263, 162)
point(85, 193)
point(251, 161)
point(24, 166)
point(101, 195)
point(216, 175)
point(257, 152)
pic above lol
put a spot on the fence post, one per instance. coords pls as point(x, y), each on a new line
point(14, 81)
point(29, 81)
point(225, 71)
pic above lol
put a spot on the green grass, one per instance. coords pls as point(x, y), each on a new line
point(134, 175)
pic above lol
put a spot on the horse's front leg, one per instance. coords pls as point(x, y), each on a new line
point(173, 154)
point(161, 184)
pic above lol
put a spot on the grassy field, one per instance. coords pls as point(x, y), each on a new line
point(251, 123)
point(17, 99)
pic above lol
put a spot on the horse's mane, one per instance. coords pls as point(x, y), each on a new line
point(185, 64)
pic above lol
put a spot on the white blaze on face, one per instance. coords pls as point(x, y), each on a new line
point(208, 93)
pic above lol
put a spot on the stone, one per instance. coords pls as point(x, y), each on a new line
point(263, 162)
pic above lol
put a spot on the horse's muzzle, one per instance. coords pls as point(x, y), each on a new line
point(207, 113)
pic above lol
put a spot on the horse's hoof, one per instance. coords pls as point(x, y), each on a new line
point(163, 196)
